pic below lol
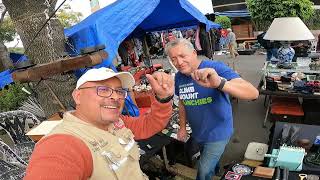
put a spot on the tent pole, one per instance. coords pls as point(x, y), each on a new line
point(210, 40)
point(145, 46)
point(146, 49)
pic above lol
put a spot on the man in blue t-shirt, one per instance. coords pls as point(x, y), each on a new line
point(203, 88)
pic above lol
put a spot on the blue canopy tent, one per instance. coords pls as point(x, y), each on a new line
point(112, 24)
point(124, 18)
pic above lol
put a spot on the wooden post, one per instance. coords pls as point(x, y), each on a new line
point(43, 71)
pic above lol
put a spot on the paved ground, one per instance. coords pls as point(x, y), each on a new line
point(248, 116)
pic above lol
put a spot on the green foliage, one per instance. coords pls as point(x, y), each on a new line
point(224, 21)
point(67, 17)
point(314, 22)
point(11, 98)
point(7, 31)
point(19, 50)
point(264, 11)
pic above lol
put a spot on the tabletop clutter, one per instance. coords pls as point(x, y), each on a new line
point(302, 76)
point(286, 160)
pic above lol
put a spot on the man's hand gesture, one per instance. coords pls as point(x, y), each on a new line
point(206, 77)
point(162, 84)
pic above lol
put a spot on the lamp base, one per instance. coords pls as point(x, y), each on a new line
point(285, 54)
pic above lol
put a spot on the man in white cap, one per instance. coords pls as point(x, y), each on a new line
point(95, 141)
point(232, 43)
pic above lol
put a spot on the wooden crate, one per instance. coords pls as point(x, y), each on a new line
point(243, 31)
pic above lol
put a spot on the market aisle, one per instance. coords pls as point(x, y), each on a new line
point(248, 116)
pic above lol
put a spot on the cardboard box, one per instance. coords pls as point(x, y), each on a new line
point(42, 129)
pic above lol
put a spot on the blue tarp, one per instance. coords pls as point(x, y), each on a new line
point(238, 13)
point(17, 57)
point(112, 24)
point(5, 78)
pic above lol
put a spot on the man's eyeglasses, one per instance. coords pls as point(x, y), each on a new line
point(104, 91)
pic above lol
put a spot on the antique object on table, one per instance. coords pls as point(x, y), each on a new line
point(289, 135)
point(285, 174)
point(313, 157)
point(278, 173)
point(298, 76)
point(232, 176)
point(285, 54)
point(315, 65)
point(282, 30)
point(304, 143)
point(287, 157)
point(302, 176)
point(242, 169)
point(256, 151)
point(312, 177)
point(316, 145)
point(285, 65)
point(263, 172)
point(271, 84)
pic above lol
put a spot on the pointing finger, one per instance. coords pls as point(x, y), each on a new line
point(153, 82)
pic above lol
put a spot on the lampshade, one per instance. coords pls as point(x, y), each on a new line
point(288, 29)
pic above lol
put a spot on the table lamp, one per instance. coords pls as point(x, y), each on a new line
point(286, 30)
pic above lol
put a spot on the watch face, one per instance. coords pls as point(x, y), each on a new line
point(242, 169)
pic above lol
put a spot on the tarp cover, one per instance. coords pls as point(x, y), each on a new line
point(112, 24)
point(5, 78)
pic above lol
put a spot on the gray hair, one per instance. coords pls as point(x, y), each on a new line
point(176, 42)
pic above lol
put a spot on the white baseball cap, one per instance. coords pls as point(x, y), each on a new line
point(103, 73)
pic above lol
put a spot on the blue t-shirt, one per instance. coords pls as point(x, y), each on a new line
point(208, 110)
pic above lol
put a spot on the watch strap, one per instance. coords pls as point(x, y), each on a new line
point(164, 100)
point(222, 83)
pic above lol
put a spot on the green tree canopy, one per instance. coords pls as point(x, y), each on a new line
point(7, 31)
point(224, 21)
point(264, 11)
point(67, 17)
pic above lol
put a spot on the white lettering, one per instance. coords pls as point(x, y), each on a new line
point(189, 96)
point(186, 90)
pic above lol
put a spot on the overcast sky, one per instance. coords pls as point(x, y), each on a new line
point(83, 6)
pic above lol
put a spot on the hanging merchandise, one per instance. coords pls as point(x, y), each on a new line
point(197, 41)
point(132, 55)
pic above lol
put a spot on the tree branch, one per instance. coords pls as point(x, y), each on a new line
point(2, 15)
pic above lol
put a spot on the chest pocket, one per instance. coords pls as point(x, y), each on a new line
point(123, 163)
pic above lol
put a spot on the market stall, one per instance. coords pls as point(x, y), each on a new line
point(298, 80)
point(292, 152)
